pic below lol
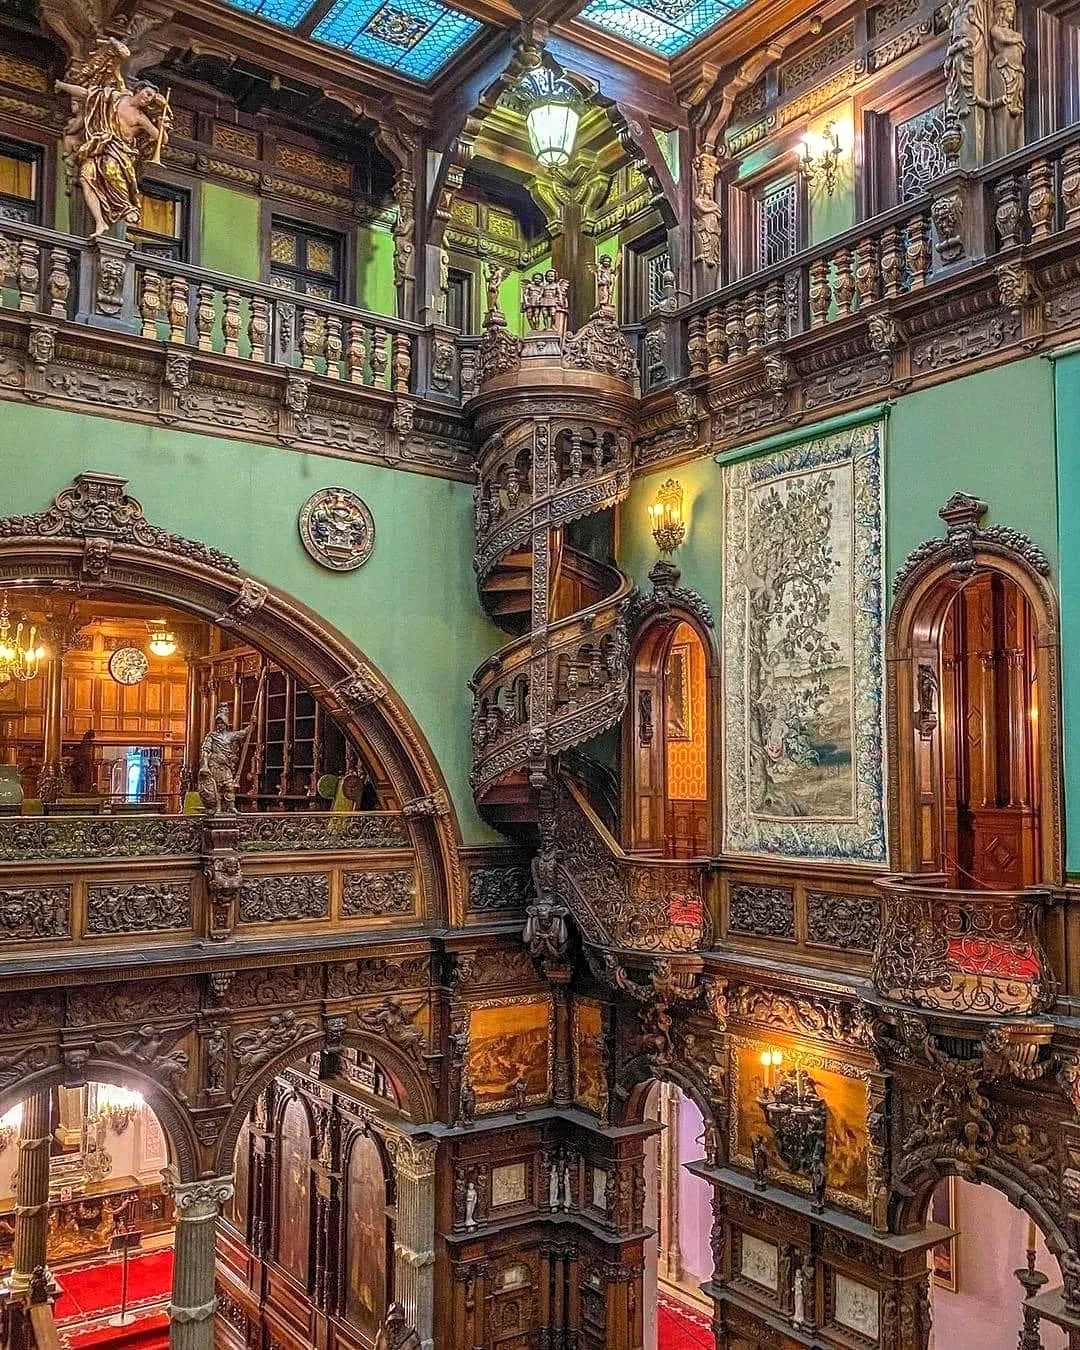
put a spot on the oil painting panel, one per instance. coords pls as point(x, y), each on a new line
point(589, 1086)
point(803, 610)
point(510, 1040)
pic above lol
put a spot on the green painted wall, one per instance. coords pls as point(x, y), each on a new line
point(1067, 408)
point(832, 213)
point(700, 556)
point(510, 301)
point(412, 608)
point(375, 288)
point(63, 200)
point(229, 225)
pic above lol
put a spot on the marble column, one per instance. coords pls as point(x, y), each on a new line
point(414, 1235)
point(32, 1191)
point(194, 1303)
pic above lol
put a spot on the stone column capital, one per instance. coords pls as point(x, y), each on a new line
point(196, 1201)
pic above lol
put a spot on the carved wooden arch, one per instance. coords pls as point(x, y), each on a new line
point(639, 1076)
point(95, 534)
point(655, 620)
point(910, 1197)
point(416, 1088)
point(173, 1116)
point(924, 587)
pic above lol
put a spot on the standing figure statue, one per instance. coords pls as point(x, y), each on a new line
point(395, 1333)
point(966, 98)
point(112, 136)
point(494, 276)
point(218, 760)
point(606, 272)
point(1006, 81)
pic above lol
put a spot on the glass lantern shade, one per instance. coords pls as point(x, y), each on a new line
point(552, 127)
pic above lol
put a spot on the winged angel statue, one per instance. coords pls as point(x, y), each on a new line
point(112, 134)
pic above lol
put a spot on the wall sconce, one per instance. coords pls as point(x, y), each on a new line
point(820, 162)
point(770, 1062)
point(666, 517)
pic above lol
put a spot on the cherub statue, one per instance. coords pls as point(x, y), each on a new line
point(606, 272)
point(494, 276)
point(112, 136)
point(218, 761)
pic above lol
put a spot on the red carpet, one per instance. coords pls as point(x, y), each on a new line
point(95, 1290)
point(149, 1332)
point(681, 1328)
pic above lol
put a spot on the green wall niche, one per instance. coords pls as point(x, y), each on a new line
point(230, 232)
point(412, 608)
point(1066, 371)
point(375, 287)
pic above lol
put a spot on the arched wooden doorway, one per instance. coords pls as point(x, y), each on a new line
point(668, 742)
point(973, 675)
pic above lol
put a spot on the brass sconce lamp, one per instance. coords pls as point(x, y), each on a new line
point(667, 518)
point(820, 163)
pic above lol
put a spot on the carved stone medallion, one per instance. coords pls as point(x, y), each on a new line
point(337, 529)
point(128, 665)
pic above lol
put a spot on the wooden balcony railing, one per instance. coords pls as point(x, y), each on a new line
point(107, 284)
point(962, 951)
point(72, 884)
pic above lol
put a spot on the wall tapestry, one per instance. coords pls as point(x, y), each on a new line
point(803, 659)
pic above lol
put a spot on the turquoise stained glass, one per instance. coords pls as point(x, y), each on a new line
point(664, 26)
point(415, 37)
point(288, 13)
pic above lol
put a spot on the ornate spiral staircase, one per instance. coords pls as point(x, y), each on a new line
point(554, 417)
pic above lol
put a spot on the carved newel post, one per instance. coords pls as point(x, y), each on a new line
point(194, 1303)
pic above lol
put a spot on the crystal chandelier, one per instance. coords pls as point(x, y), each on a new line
point(20, 656)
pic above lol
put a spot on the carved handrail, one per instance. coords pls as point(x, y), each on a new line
point(639, 904)
point(962, 951)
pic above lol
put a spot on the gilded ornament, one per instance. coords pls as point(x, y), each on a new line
point(337, 529)
point(128, 665)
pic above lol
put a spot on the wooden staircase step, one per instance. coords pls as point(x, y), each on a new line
point(509, 581)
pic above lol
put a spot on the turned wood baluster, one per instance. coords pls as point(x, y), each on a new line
point(843, 286)
point(204, 317)
point(230, 322)
point(775, 312)
point(59, 282)
point(378, 358)
point(402, 362)
point(1007, 218)
point(178, 309)
point(150, 303)
point(892, 263)
point(309, 337)
point(734, 331)
point(1070, 186)
point(866, 272)
point(1042, 202)
point(356, 354)
point(820, 294)
point(918, 251)
point(28, 275)
point(754, 321)
point(697, 347)
point(714, 339)
point(259, 327)
point(334, 347)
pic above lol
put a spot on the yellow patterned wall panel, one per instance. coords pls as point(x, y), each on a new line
point(684, 697)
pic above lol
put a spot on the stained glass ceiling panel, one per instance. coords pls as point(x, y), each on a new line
point(415, 37)
point(288, 13)
point(663, 26)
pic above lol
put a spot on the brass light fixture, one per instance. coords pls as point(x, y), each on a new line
point(118, 1107)
point(552, 108)
point(821, 158)
point(21, 654)
point(666, 517)
point(162, 642)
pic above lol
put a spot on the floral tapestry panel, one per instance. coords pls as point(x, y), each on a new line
point(803, 660)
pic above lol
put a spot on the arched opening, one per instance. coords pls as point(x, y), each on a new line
point(976, 1297)
point(678, 1208)
point(108, 1221)
point(973, 670)
point(312, 1242)
point(668, 743)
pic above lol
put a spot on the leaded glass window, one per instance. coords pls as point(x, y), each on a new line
point(663, 26)
point(304, 260)
point(656, 264)
point(778, 223)
point(415, 37)
point(919, 154)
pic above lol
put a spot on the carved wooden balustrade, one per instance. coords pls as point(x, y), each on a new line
point(637, 904)
point(107, 284)
point(962, 951)
point(556, 448)
point(80, 882)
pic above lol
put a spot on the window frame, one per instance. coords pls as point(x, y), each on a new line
point(311, 222)
point(790, 178)
point(183, 193)
point(20, 143)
